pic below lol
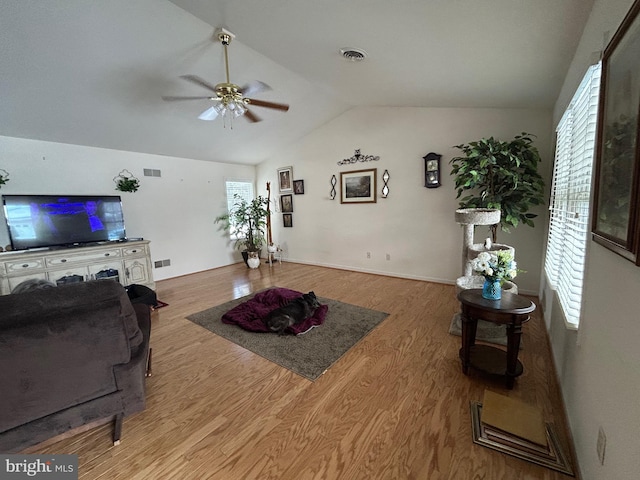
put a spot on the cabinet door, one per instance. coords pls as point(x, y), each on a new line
point(113, 269)
point(136, 272)
point(15, 281)
point(61, 275)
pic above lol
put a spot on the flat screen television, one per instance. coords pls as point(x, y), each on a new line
point(36, 221)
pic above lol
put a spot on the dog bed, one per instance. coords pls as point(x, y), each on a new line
point(250, 315)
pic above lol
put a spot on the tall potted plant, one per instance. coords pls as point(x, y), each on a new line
point(500, 175)
point(246, 223)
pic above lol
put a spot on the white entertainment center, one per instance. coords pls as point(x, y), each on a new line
point(128, 262)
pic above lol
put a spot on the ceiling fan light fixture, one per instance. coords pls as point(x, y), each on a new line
point(230, 100)
point(353, 54)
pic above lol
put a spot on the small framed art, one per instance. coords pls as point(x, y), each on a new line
point(298, 187)
point(286, 203)
point(285, 179)
point(287, 219)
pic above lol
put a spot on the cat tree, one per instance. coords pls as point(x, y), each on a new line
point(469, 218)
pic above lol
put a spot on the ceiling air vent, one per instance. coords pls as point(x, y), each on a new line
point(353, 54)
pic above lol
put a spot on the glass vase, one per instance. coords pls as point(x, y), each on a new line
point(491, 290)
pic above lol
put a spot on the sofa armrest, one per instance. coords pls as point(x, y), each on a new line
point(143, 315)
point(131, 376)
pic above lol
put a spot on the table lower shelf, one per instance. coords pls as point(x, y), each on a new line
point(491, 360)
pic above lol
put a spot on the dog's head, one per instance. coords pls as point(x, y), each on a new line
point(311, 300)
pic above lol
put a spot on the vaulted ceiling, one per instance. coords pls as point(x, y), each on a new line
point(93, 73)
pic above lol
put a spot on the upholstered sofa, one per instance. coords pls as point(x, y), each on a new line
point(70, 356)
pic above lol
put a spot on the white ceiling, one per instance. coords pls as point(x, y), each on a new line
point(93, 72)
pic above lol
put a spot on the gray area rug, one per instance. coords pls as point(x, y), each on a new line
point(486, 332)
point(309, 354)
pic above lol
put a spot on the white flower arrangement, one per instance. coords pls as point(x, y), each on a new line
point(496, 266)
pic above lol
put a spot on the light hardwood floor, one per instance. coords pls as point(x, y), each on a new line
point(396, 406)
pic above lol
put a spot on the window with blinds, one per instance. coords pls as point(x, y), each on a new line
point(570, 192)
point(240, 188)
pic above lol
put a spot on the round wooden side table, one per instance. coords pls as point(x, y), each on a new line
point(511, 310)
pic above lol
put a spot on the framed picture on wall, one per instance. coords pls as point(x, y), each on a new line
point(616, 213)
point(285, 179)
point(286, 203)
point(287, 219)
point(298, 187)
point(358, 186)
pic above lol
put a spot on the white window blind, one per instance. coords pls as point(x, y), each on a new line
point(570, 192)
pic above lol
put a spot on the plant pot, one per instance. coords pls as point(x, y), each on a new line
point(253, 262)
point(246, 256)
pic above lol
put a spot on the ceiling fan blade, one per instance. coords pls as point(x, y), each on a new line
point(199, 81)
point(254, 87)
point(262, 103)
point(177, 99)
point(252, 117)
point(209, 114)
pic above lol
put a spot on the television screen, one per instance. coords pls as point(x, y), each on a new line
point(48, 220)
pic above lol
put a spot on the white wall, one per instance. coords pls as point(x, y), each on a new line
point(598, 364)
point(414, 225)
point(175, 212)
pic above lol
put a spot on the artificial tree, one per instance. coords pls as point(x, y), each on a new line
point(501, 175)
point(246, 221)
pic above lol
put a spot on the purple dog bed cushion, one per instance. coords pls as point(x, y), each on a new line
point(250, 315)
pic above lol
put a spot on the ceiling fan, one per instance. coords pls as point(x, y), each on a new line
point(230, 100)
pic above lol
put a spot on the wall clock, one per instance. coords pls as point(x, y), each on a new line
point(432, 170)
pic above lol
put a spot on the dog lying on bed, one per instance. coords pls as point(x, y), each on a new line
point(296, 311)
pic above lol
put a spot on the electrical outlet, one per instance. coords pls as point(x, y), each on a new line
point(601, 446)
point(368, 254)
point(388, 257)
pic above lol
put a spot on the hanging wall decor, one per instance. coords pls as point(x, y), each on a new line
point(358, 186)
point(4, 177)
point(298, 187)
point(616, 212)
point(432, 170)
point(285, 179)
point(126, 182)
point(358, 157)
point(286, 203)
point(385, 187)
point(334, 182)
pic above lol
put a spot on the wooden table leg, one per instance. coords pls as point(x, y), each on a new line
point(469, 327)
point(514, 332)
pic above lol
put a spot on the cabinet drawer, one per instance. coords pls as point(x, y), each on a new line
point(56, 261)
point(137, 250)
point(25, 265)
